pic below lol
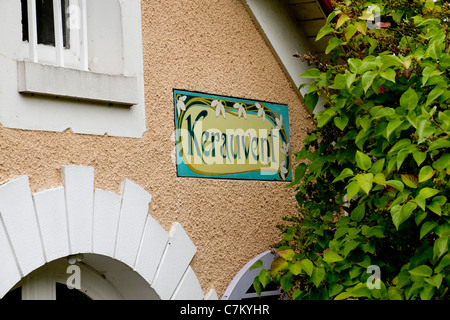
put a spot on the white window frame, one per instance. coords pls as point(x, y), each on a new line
point(77, 54)
point(243, 281)
point(50, 88)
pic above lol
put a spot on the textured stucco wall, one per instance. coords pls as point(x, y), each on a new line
point(211, 46)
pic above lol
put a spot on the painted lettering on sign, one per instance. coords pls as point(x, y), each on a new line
point(223, 137)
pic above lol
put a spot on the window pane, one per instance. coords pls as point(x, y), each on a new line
point(24, 20)
point(45, 22)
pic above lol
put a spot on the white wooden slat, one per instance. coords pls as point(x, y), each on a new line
point(211, 295)
point(78, 184)
point(189, 288)
point(176, 259)
point(133, 214)
point(10, 273)
point(19, 217)
point(153, 244)
point(106, 220)
point(50, 208)
point(32, 30)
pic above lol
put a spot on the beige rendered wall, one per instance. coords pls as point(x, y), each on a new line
point(211, 46)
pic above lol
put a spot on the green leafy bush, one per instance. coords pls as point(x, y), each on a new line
point(373, 182)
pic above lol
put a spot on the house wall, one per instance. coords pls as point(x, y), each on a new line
point(211, 46)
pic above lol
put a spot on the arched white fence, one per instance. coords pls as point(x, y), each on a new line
point(77, 218)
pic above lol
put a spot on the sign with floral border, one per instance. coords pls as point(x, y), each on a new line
point(231, 138)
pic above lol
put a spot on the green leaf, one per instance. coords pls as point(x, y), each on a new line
point(400, 213)
point(341, 122)
point(317, 276)
point(427, 292)
point(333, 44)
point(434, 94)
point(311, 73)
point(421, 271)
point(344, 174)
point(335, 288)
point(439, 144)
point(377, 167)
point(286, 282)
point(436, 280)
point(427, 227)
point(396, 184)
point(419, 157)
point(365, 181)
point(296, 268)
point(310, 100)
point(331, 256)
point(286, 254)
point(389, 74)
point(358, 213)
point(410, 180)
point(440, 247)
point(363, 161)
point(428, 192)
point(392, 125)
point(426, 173)
point(353, 189)
point(308, 266)
point(278, 265)
point(342, 19)
point(264, 277)
point(409, 99)
point(326, 29)
point(443, 162)
point(367, 79)
point(257, 286)
point(257, 264)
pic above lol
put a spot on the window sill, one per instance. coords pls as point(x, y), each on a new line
point(46, 80)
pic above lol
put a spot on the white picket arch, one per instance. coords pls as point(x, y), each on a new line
point(75, 218)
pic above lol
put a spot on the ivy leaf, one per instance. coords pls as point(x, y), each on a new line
point(434, 94)
point(436, 280)
point(278, 265)
point(363, 161)
point(396, 184)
